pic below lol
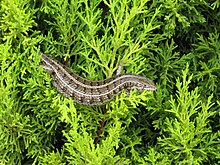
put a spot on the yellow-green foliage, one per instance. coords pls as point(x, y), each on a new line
point(174, 43)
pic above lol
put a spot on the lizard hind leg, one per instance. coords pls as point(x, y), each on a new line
point(120, 67)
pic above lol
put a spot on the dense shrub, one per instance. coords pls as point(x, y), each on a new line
point(174, 43)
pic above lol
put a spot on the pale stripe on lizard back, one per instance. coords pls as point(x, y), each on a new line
point(90, 92)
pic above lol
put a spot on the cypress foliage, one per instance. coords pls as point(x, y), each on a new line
point(174, 43)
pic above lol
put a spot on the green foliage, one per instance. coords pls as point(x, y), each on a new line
point(187, 133)
point(16, 19)
point(174, 43)
point(207, 64)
